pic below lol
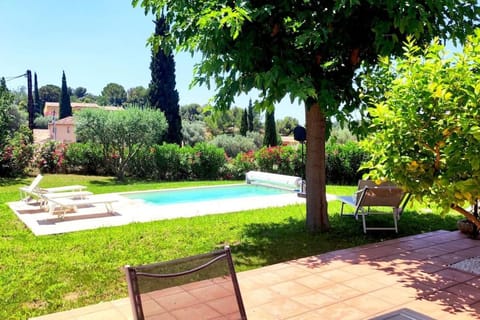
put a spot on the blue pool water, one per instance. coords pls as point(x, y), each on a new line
point(176, 196)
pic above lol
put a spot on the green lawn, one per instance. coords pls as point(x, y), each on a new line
point(40, 275)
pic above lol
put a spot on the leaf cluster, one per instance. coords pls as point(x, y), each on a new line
point(309, 50)
point(426, 124)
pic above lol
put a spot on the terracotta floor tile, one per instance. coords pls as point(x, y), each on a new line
point(247, 282)
point(290, 288)
point(429, 252)
point(340, 292)
point(258, 313)
point(314, 300)
point(360, 269)
point(369, 254)
point(453, 274)
point(340, 311)
point(337, 275)
point(307, 316)
point(450, 302)
point(396, 295)
point(291, 272)
point(329, 265)
point(212, 292)
point(257, 297)
point(266, 279)
point(384, 277)
point(225, 306)
point(465, 292)
point(355, 283)
point(199, 311)
point(363, 285)
point(315, 281)
point(177, 301)
point(475, 282)
point(107, 314)
point(368, 303)
point(433, 267)
point(283, 308)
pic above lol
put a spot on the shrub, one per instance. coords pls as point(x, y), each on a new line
point(257, 138)
point(172, 162)
point(84, 158)
point(242, 163)
point(193, 132)
point(343, 163)
point(50, 156)
point(142, 164)
point(207, 161)
point(268, 159)
point(17, 154)
point(233, 145)
point(41, 122)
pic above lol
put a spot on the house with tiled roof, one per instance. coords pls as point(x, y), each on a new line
point(52, 108)
point(62, 130)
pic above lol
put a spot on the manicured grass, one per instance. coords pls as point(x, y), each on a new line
point(40, 275)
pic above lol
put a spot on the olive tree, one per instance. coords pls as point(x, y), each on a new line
point(120, 133)
point(427, 124)
point(308, 50)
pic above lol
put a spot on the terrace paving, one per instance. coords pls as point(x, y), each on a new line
point(410, 274)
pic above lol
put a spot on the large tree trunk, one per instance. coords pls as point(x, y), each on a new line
point(317, 214)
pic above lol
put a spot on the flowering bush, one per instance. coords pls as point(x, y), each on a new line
point(50, 157)
point(16, 154)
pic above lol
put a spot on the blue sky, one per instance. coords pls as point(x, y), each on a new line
point(95, 42)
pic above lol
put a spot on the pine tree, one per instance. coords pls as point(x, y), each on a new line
point(162, 93)
point(65, 106)
point(37, 103)
point(251, 116)
point(270, 138)
point(244, 124)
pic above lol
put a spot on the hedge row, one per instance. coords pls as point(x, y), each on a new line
point(203, 161)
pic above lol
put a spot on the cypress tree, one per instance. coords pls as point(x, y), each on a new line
point(244, 124)
point(250, 116)
point(65, 106)
point(162, 93)
point(270, 138)
point(37, 103)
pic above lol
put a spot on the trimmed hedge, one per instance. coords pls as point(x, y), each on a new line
point(204, 161)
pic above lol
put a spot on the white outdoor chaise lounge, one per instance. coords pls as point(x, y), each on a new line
point(60, 206)
point(75, 195)
point(34, 191)
point(370, 195)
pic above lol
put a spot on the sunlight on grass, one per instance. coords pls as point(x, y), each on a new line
point(46, 274)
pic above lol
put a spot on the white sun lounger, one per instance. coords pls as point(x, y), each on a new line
point(34, 191)
point(46, 197)
point(60, 206)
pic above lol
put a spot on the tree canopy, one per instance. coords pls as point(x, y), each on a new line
point(308, 50)
point(426, 124)
point(120, 133)
point(113, 94)
point(137, 96)
point(50, 93)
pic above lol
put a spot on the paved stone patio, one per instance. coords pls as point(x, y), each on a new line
point(359, 283)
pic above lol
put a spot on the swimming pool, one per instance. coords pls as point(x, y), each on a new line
point(203, 194)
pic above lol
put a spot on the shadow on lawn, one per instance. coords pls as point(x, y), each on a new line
point(6, 182)
point(265, 244)
point(421, 261)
